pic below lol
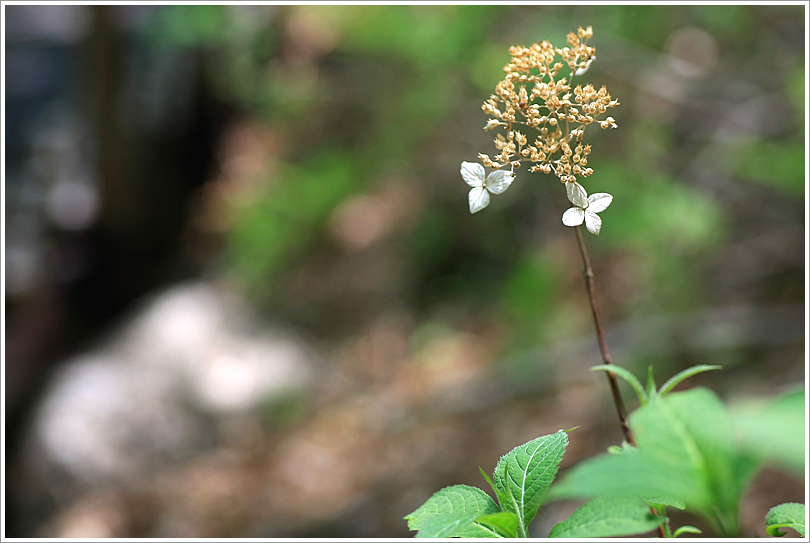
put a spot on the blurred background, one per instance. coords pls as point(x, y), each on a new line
point(245, 297)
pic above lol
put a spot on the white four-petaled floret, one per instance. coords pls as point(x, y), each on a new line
point(585, 208)
point(496, 182)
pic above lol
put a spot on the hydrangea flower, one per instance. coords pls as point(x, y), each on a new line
point(496, 182)
point(585, 207)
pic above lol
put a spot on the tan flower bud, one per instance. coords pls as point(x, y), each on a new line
point(492, 124)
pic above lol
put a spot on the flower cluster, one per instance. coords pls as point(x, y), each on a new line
point(534, 96)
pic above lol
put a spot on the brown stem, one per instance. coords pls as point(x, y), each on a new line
point(600, 334)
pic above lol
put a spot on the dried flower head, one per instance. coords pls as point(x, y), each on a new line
point(534, 95)
point(540, 117)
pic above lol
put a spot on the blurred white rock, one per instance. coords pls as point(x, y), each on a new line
point(191, 360)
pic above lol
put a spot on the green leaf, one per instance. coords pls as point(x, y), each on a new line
point(622, 475)
point(662, 502)
point(651, 392)
point(524, 474)
point(502, 495)
point(686, 455)
point(487, 478)
point(659, 502)
point(786, 515)
point(775, 433)
point(504, 523)
point(627, 376)
point(445, 526)
point(621, 472)
point(454, 504)
point(685, 374)
point(690, 434)
point(686, 530)
point(608, 517)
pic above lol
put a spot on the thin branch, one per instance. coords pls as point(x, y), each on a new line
point(603, 348)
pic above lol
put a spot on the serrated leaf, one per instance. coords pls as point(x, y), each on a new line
point(608, 517)
point(786, 515)
point(444, 526)
point(627, 376)
point(523, 476)
point(685, 374)
point(504, 523)
point(455, 502)
point(506, 499)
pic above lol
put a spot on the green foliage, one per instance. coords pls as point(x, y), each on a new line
point(686, 530)
point(786, 515)
point(648, 24)
point(674, 381)
point(729, 21)
point(667, 225)
point(659, 213)
point(452, 510)
point(282, 219)
point(687, 457)
point(521, 481)
point(651, 394)
point(529, 292)
point(189, 25)
point(608, 517)
point(426, 36)
point(445, 526)
point(523, 476)
point(775, 164)
point(627, 376)
point(504, 523)
point(775, 433)
point(687, 452)
point(690, 454)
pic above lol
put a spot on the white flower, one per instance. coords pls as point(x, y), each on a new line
point(496, 182)
point(586, 207)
